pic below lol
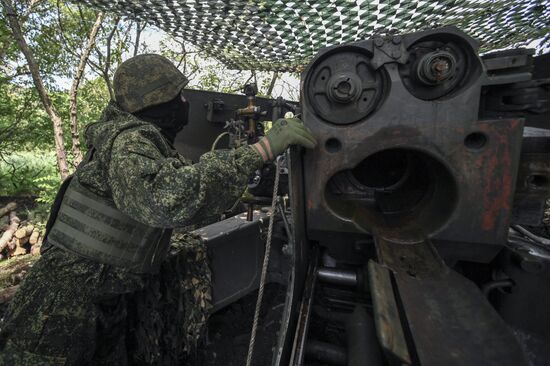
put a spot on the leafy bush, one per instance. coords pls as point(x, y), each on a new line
point(47, 189)
point(29, 173)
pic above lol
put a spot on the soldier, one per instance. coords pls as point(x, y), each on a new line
point(102, 292)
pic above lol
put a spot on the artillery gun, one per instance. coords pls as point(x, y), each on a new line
point(412, 235)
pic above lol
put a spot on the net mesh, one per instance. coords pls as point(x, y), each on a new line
point(283, 35)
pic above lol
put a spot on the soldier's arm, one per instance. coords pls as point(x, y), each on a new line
point(165, 192)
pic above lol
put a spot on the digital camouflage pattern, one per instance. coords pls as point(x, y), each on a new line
point(152, 183)
point(75, 311)
point(71, 302)
point(146, 80)
point(197, 278)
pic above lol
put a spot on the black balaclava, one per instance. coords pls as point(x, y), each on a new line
point(170, 117)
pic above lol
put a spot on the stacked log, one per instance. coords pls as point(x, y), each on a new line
point(8, 208)
point(17, 237)
point(7, 236)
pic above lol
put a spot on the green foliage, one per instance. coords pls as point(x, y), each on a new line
point(21, 117)
point(29, 173)
point(47, 188)
point(92, 99)
point(25, 126)
point(56, 31)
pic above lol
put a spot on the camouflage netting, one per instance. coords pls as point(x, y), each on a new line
point(284, 34)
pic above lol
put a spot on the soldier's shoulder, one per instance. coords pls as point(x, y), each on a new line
point(142, 139)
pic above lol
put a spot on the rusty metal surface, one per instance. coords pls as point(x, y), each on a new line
point(452, 323)
point(418, 260)
point(387, 318)
point(448, 320)
point(471, 165)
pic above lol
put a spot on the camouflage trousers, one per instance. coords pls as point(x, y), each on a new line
point(73, 311)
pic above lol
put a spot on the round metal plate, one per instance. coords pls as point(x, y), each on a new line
point(343, 88)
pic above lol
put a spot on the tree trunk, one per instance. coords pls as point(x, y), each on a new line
point(73, 94)
point(57, 122)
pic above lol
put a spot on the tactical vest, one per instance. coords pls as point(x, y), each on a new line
point(93, 227)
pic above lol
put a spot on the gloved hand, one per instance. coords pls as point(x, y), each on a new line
point(285, 132)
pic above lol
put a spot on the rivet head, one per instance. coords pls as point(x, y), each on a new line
point(396, 39)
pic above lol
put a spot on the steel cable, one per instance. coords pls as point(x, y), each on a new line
point(264, 267)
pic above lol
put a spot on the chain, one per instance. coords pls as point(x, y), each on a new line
point(264, 266)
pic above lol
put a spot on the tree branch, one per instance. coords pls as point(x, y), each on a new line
point(139, 29)
point(73, 94)
point(9, 78)
point(69, 46)
point(252, 74)
point(57, 123)
point(272, 83)
point(107, 67)
point(30, 7)
point(183, 58)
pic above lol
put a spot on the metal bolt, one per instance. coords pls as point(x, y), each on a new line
point(441, 68)
point(396, 39)
point(441, 65)
point(344, 87)
point(378, 42)
point(287, 250)
point(436, 67)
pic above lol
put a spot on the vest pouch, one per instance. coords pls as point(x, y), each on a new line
point(93, 227)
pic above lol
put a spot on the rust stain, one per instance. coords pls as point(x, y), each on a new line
point(497, 181)
point(386, 331)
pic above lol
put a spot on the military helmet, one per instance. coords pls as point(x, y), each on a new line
point(146, 80)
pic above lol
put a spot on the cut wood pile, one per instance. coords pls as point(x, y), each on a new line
point(17, 237)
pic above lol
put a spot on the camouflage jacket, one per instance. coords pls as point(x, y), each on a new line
point(152, 183)
point(72, 310)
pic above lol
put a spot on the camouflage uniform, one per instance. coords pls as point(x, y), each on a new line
point(72, 310)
